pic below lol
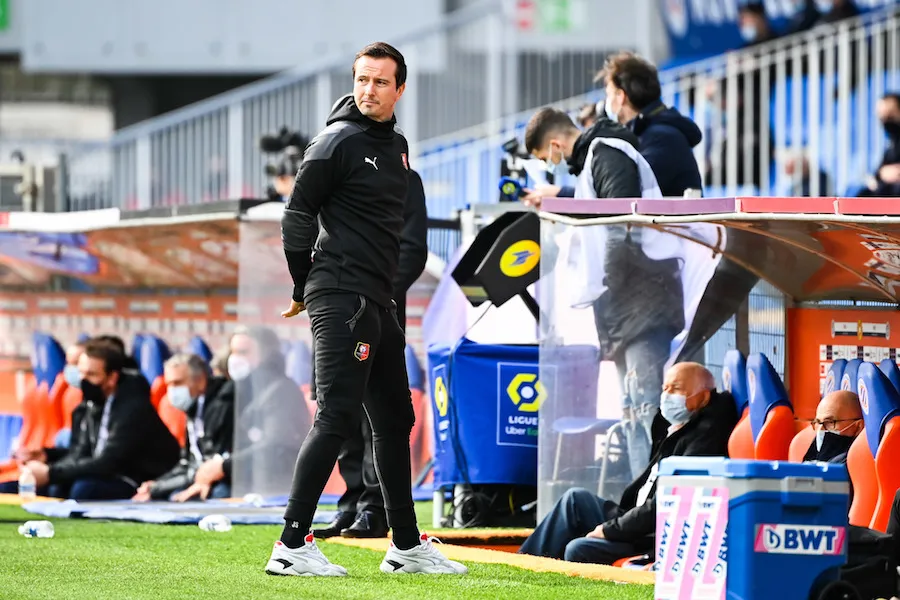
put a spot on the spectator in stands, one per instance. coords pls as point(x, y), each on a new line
point(838, 421)
point(633, 98)
point(695, 420)
point(840, 10)
point(272, 420)
point(118, 440)
point(208, 402)
point(640, 309)
point(801, 183)
point(71, 396)
point(805, 18)
point(754, 25)
point(885, 183)
point(361, 511)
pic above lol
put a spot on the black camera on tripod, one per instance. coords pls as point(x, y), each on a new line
point(290, 145)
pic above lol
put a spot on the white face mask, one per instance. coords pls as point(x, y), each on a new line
point(674, 408)
point(748, 32)
point(180, 397)
point(238, 367)
point(613, 116)
point(72, 376)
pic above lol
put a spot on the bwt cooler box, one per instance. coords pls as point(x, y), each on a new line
point(748, 530)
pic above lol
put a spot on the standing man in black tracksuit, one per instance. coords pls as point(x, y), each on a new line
point(361, 506)
point(354, 178)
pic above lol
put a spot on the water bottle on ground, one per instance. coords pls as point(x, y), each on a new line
point(27, 486)
point(37, 529)
point(219, 523)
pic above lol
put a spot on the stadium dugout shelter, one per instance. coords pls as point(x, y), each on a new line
point(795, 288)
point(178, 276)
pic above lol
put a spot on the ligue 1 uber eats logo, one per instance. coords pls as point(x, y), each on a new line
point(520, 395)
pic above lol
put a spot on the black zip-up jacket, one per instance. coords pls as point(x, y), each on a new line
point(139, 446)
point(613, 172)
point(354, 178)
point(218, 437)
point(704, 435)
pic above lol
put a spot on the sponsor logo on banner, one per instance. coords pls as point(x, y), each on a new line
point(441, 398)
point(520, 258)
point(520, 394)
point(814, 540)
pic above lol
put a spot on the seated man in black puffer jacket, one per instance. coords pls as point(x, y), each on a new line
point(208, 403)
point(118, 439)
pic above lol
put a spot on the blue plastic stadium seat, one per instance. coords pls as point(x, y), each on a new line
point(154, 353)
point(298, 363)
point(771, 413)
point(197, 346)
point(734, 379)
point(835, 376)
point(849, 378)
point(891, 371)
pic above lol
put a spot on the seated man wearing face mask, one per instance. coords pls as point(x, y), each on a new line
point(838, 421)
point(118, 439)
point(694, 420)
point(208, 402)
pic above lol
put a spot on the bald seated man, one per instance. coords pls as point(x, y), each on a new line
point(694, 420)
point(838, 421)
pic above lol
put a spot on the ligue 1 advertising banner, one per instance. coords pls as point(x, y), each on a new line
point(701, 28)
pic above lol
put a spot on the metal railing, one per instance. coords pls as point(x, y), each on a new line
point(796, 106)
point(464, 72)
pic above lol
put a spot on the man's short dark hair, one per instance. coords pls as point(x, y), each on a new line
point(545, 122)
point(895, 96)
point(111, 339)
point(384, 50)
point(108, 352)
point(635, 76)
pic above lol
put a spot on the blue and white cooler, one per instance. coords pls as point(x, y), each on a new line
point(749, 530)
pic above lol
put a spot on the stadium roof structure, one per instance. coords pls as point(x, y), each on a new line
point(812, 249)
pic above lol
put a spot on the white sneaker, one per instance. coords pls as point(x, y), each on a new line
point(307, 561)
point(424, 558)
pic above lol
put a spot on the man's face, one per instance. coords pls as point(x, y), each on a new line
point(180, 375)
point(615, 98)
point(839, 412)
point(245, 347)
point(683, 379)
point(375, 87)
point(551, 152)
point(888, 110)
point(93, 370)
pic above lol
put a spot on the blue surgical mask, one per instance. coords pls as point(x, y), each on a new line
point(72, 376)
point(748, 32)
point(609, 110)
point(556, 169)
point(674, 408)
point(180, 397)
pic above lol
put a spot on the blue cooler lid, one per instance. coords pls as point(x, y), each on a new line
point(715, 466)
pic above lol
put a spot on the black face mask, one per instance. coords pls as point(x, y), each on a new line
point(92, 391)
point(892, 129)
point(834, 445)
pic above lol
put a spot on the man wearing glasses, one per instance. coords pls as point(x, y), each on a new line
point(838, 421)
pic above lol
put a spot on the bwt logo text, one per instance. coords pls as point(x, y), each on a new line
point(800, 539)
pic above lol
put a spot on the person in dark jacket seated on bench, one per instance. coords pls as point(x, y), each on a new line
point(838, 421)
point(208, 402)
point(118, 439)
point(694, 420)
